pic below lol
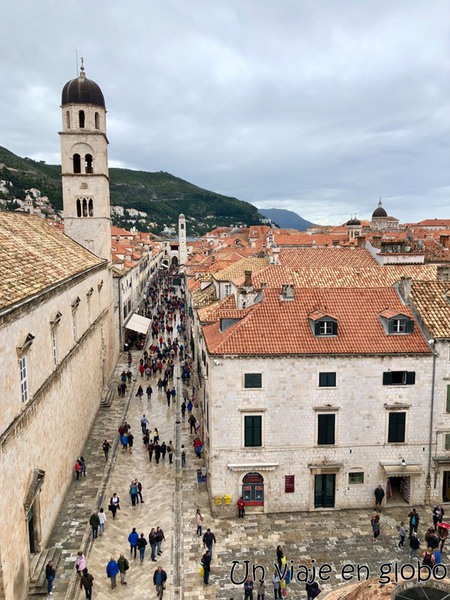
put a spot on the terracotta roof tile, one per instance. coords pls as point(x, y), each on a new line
point(34, 256)
point(277, 327)
point(326, 257)
point(238, 269)
point(431, 299)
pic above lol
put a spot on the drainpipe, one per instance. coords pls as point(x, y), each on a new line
point(433, 378)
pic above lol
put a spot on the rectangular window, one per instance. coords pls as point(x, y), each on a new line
point(227, 289)
point(54, 348)
point(448, 399)
point(398, 325)
point(397, 423)
point(252, 430)
point(24, 379)
point(289, 484)
point(356, 478)
point(447, 441)
point(326, 328)
point(252, 380)
point(399, 378)
point(326, 430)
point(327, 379)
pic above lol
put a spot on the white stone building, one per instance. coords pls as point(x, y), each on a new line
point(312, 397)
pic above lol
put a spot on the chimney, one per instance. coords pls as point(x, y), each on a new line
point(405, 287)
point(248, 279)
point(276, 256)
point(443, 240)
point(376, 241)
point(443, 273)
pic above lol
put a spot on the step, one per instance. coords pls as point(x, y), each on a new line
point(38, 583)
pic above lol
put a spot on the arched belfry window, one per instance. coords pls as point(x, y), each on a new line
point(81, 119)
point(91, 208)
point(68, 119)
point(181, 226)
point(76, 163)
point(78, 207)
point(88, 163)
point(97, 120)
point(85, 210)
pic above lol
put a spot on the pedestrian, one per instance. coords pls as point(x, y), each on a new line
point(114, 504)
point(375, 522)
point(159, 581)
point(130, 440)
point(133, 539)
point(94, 522)
point(170, 451)
point(183, 456)
point(206, 562)
point(112, 570)
point(261, 589)
point(241, 508)
point(133, 493)
point(428, 558)
point(123, 377)
point(149, 392)
point(168, 396)
point(129, 375)
point(163, 450)
point(312, 590)
point(437, 557)
point(414, 545)
point(183, 409)
point(156, 436)
point(402, 534)
point(248, 588)
point(123, 565)
point(280, 556)
point(157, 452)
point(102, 521)
point(87, 582)
point(123, 388)
point(139, 491)
point(144, 423)
point(438, 514)
point(192, 421)
point(152, 542)
point(78, 469)
point(276, 585)
point(119, 390)
point(413, 521)
point(83, 466)
point(50, 576)
point(209, 539)
point(106, 446)
point(190, 406)
point(159, 539)
point(150, 449)
point(379, 495)
point(199, 519)
point(142, 542)
point(443, 534)
point(80, 563)
point(124, 440)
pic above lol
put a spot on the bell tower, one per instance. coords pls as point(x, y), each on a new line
point(182, 242)
point(84, 165)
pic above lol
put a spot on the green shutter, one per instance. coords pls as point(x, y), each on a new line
point(317, 328)
point(252, 380)
point(387, 378)
point(409, 326)
point(397, 422)
point(334, 327)
point(253, 431)
point(411, 377)
point(326, 429)
point(447, 441)
point(327, 379)
point(391, 325)
point(448, 399)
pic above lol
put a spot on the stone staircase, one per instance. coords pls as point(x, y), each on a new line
point(38, 583)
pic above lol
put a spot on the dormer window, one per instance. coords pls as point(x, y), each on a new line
point(323, 324)
point(395, 322)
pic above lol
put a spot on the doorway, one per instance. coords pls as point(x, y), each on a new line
point(446, 487)
point(253, 489)
point(398, 490)
point(324, 490)
point(31, 530)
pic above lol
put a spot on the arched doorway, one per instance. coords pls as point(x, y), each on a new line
point(253, 489)
point(174, 261)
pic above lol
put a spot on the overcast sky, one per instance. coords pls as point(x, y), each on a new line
point(318, 106)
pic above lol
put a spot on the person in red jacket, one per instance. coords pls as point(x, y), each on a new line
point(241, 507)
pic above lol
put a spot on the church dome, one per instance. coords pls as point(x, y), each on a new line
point(82, 91)
point(379, 211)
point(354, 221)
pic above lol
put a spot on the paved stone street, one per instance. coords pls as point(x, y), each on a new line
point(333, 538)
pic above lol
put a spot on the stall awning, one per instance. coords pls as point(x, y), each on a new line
point(399, 471)
point(138, 323)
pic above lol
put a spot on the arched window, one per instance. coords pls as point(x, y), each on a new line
point(76, 163)
point(88, 163)
point(85, 211)
point(81, 118)
point(97, 120)
point(68, 119)
point(91, 208)
point(181, 226)
point(78, 207)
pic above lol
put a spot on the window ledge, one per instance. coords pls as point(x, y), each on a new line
point(327, 408)
point(397, 406)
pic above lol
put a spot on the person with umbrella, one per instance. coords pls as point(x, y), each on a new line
point(443, 534)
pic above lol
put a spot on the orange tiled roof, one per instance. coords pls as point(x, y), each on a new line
point(203, 297)
point(282, 327)
point(238, 268)
point(432, 302)
point(211, 313)
point(35, 256)
point(326, 257)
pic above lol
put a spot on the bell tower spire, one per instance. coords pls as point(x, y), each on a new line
point(84, 165)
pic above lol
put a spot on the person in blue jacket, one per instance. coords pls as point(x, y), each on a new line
point(133, 539)
point(112, 570)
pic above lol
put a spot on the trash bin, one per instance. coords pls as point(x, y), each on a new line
point(227, 499)
point(218, 500)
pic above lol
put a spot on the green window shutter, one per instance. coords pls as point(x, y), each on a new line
point(391, 325)
point(327, 379)
point(447, 441)
point(326, 429)
point(317, 328)
point(397, 422)
point(334, 323)
point(409, 326)
point(387, 378)
point(253, 431)
point(411, 377)
point(252, 380)
point(448, 399)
